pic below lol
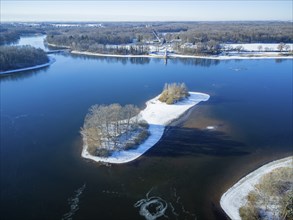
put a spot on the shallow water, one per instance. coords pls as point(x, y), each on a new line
point(42, 111)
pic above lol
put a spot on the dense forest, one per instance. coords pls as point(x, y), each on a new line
point(111, 40)
point(239, 32)
point(10, 32)
point(192, 32)
point(16, 57)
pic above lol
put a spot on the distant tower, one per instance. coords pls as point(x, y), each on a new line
point(166, 56)
point(166, 53)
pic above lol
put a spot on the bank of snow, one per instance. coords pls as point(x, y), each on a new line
point(257, 46)
point(158, 115)
point(235, 197)
point(106, 55)
point(238, 56)
point(228, 56)
point(51, 60)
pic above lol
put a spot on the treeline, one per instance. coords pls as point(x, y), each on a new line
point(10, 32)
point(207, 37)
point(96, 39)
point(238, 32)
point(8, 36)
point(110, 49)
point(211, 47)
point(16, 57)
point(112, 127)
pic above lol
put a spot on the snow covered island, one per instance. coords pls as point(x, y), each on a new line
point(157, 115)
point(237, 196)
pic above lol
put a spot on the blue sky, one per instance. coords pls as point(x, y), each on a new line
point(216, 10)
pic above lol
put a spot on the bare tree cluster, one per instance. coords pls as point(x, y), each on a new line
point(112, 127)
point(173, 93)
point(283, 47)
point(272, 196)
point(211, 47)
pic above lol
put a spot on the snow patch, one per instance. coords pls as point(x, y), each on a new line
point(229, 56)
point(257, 46)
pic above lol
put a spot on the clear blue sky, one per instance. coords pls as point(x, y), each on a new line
point(147, 10)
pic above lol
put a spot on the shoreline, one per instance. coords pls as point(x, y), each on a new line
point(55, 45)
point(235, 196)
point(253, 54)
point(216, 57)
point(158, 115)
point(51, 61)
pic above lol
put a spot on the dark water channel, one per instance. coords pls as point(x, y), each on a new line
point(44, 177)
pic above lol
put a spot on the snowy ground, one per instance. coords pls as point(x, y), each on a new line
point(257, 46)
point(158, 115)
point(106, 55)
point(237, 56)
point(51, 60)
point(248, 51)
point(229, 56)
point(235, 197)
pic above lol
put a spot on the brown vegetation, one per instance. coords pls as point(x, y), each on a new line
point(173, 93)
point(272, 196)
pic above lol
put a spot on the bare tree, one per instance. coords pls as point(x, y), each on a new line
point(281, 47)
point(130, 111)
point(239, 48)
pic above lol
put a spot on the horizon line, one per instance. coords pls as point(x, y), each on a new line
point(79, 21)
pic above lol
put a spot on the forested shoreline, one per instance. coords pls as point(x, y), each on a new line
point(140, 38)
point(17, 57)
point(185, 38)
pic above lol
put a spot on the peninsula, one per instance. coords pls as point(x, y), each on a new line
point(27, 57)
point(237, 196)
point(157, 115)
